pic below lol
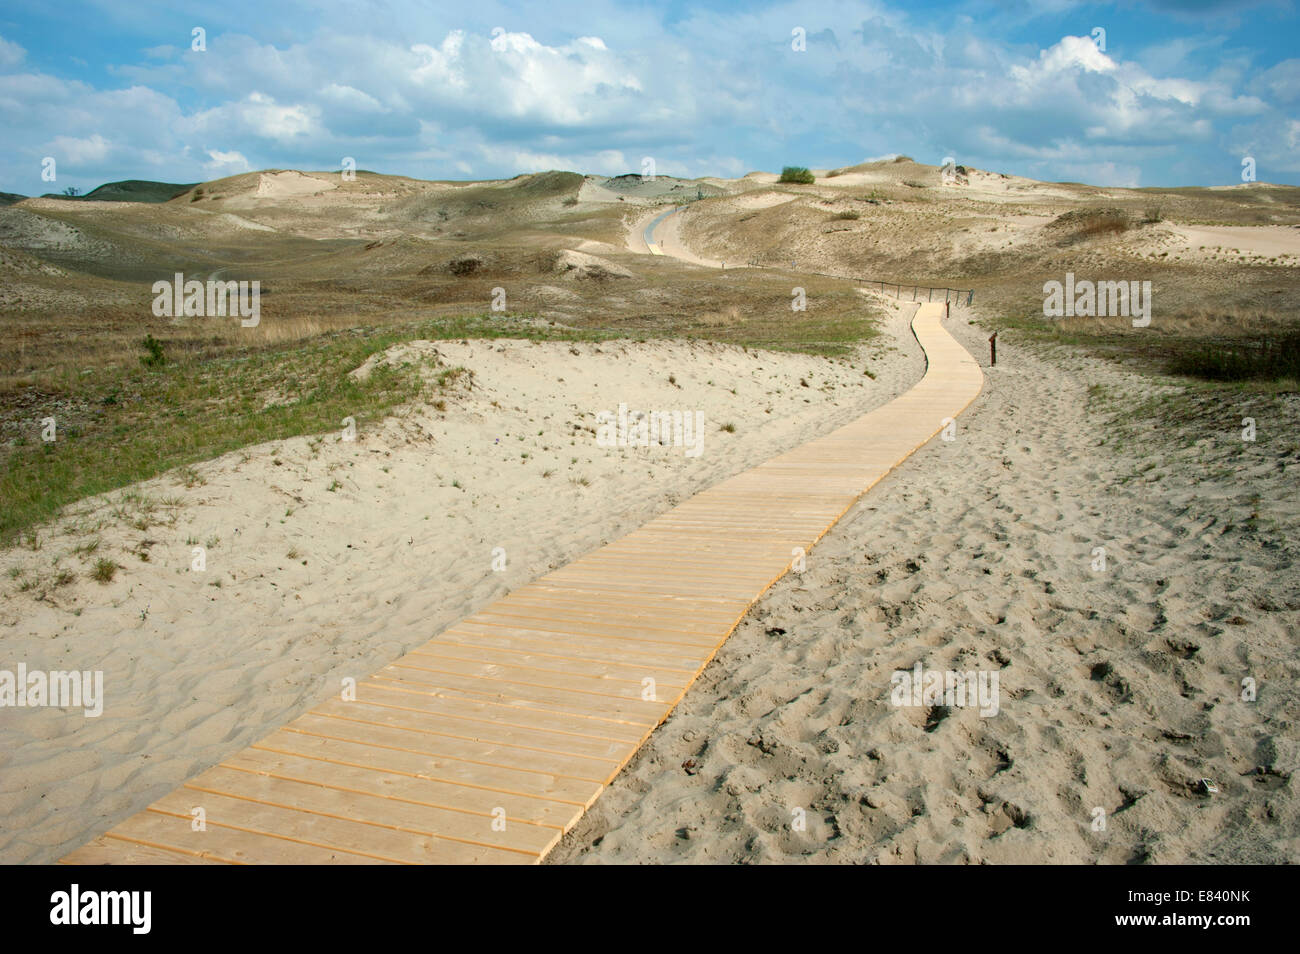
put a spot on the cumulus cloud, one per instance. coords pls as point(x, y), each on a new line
point(513, 76)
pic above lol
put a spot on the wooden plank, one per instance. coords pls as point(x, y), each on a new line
point(299, 827)
point(474, 751)
point(505, 711)
point(624, 683)
point(453, 825)
point(385, 709)
point(324, 767)
point(594, 649)
point(175, 831)
point(448, 771)
point(605, 711)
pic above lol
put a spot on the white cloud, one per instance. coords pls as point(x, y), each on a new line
point(11, 54)
point(259, 115)
point(1283, 81)
point(94, 148)
point(226, 163)
point(351, 98)
point(513, 76)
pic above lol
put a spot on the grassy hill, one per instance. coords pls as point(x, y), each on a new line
point(130, 190)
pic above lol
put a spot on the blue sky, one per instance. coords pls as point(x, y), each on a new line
point(1180, 94)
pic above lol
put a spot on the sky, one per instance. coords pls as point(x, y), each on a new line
point(1155, 93)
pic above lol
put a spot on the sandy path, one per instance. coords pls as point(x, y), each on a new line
point(1120, 689)
point(667, 238)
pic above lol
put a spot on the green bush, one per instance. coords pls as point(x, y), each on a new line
point(154, 357)
point(797, 174)
point(1268, 359)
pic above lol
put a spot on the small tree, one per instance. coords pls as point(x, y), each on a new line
point(72, 190)
point(797, 174)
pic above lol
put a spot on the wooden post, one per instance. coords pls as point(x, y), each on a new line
point(993, 348)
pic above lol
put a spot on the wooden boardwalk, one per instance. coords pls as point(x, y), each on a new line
point(487, 743)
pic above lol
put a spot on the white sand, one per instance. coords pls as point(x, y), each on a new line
point(1263, 240)
point(284, 185)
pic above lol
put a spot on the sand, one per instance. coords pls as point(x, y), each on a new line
point(304, 585)
point(290, 184)
point(1263, 241)
point(1120, 689)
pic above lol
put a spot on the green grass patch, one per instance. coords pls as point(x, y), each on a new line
point(1271, 358)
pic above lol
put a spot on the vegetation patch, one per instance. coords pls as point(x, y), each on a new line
point(1273, 358)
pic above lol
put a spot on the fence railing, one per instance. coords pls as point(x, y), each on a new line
point(915, 291)
point(949, 294)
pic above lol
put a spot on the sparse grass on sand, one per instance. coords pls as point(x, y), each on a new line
point(134, 420)
point(1254, 350)
point(128, 424)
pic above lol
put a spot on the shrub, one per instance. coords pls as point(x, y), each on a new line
point(848, 214)
point(1080, 224)
point(465, 265)
point(153, 357)
point(797, 174)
